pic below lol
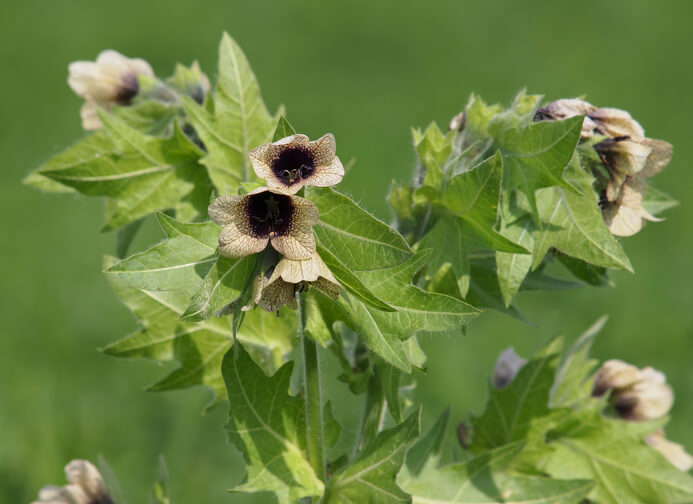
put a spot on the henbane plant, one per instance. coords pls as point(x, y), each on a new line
point(262, 254)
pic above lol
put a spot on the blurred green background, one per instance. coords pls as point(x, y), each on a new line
point(367, 71)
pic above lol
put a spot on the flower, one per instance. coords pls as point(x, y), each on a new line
point(598, 121)
point(280, 284)
point(624, 155)
point(86, 486)
point(648, 399)
point(264, 215)
point(614, 374)
point(110, 80)
point(626, 215)
point(507, 367)
point(294, 161)
point(637, 394)
point(673, 452)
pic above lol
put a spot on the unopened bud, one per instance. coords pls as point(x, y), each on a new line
point(507, 366)
point(457, 123)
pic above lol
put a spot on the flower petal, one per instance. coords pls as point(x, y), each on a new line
point(327, 175)
point(277, 294)
point(298, 243)
point(226, 209)
point(616, 122)
point(235, 242)
point(323, 149)
point(90, 116)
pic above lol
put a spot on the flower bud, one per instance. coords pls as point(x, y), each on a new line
point(507, 366)
point(614, 374)
point(673, 452)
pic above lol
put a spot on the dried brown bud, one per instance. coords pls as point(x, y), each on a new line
point(507, 367)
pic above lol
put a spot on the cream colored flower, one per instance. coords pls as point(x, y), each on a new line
point(598, 121)
point(86, 486)
point(648, 399)
point(626, 215)
point(629, 156)
point(567, 108)
point(280, 285)
point(614, 374)
point(263, 216)
point(507, 366)
point(294, 161)
point(110, 80)
point(673, 452)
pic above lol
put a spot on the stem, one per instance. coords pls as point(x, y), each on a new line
point(313, 397)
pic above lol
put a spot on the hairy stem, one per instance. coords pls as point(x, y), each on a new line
point(313, 397)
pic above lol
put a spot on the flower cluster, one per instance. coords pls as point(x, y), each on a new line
point(85, 486)
point(276, 216)
point(626, 156)
point(641, 394)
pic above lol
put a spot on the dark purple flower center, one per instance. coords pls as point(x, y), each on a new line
point(128, 90)
point(293, 165)
point(269, 214)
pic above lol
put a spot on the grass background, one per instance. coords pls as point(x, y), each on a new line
point(366, 71)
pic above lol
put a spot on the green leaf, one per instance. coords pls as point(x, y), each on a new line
point(597, 276)
point(267, 426)
point(82, 152)
point(199, 347)
point(434, 149)
point(126, 235)
point(484, 288)
point(240, 120)
point(656, 201)
point(535, 154)
point(427, 448)
point(482, 480)
point(520, 411)
point(573, 383)
point(224, 283)
point(140, 174)
point(511, 269)
point(370, 477)
point(573, 224)
point(474, 196)
point(149, 117)
point(625, 469)
point(350, 281)
point(390, 378)
point(357, 238)
point(416, 309)
point(283, 129)
point(178, 263)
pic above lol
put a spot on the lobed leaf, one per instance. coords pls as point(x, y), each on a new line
point(239, 121)
point(268, 426)
point(370, 477)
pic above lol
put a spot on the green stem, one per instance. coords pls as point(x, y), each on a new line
point(313, 397)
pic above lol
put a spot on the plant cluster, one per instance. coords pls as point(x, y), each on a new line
point(262, 255)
